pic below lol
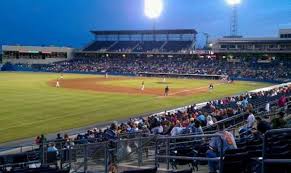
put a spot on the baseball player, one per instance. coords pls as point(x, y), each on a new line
point(167, 91)
point(211, 87)
point(164, 80)
point(62, 76)
point(57, 83)
point(142, 86)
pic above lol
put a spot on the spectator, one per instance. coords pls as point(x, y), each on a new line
point(59, 141)
point(66, 137)
point(111, 133)
point(196, 128)
point(166, 128)
point(215, 147)
point(42, 139)
point(209, 120)
point(177, 130)
point(279, 122)
point(267, 108)
point(250, 120)
point(158, 129)
point(134, 128)
point(202, 119)
point(37, 140)
point(52, 148)
point(282, 101)
point(59, 137)
point(245, 102)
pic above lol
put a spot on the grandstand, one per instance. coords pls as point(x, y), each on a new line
point(143, 41)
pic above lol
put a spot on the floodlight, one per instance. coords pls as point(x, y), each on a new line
point(234, 16)
point(153, 8)
point(233, 2)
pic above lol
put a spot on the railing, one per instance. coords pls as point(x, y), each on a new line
point(168, 145)
point(104, 156)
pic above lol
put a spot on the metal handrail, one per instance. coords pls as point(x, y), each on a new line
point(168, 156)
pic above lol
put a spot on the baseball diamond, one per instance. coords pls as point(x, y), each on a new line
point(37, 106)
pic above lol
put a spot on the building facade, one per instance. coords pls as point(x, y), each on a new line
point(35, 54)
point(267, 45)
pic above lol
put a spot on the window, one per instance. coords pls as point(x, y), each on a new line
point(223, 46)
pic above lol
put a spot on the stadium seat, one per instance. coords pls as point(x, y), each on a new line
point(235, 160)
point(98, 45)
point(51, 159)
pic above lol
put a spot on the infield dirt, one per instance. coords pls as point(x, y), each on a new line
point(98, 85)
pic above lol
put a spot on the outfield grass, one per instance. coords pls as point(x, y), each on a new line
point(30, 107)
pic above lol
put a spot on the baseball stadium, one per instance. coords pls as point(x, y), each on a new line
point(148, 100)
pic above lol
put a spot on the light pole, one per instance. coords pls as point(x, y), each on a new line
point(234, 16)
point(153, 10)
point(206, 40)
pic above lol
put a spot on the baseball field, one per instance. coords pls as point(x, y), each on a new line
point(31, 104)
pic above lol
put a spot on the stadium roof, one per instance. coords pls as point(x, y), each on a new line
point(132, 32)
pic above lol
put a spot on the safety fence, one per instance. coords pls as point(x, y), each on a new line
point(163, 152)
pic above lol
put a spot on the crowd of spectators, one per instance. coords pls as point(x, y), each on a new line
point(190, 121)
point(278, 70)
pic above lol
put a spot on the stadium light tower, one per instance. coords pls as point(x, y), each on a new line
point(153, 10)
point(206, 40)
point(234, 16)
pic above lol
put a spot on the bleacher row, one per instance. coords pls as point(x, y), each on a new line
point(136, 46)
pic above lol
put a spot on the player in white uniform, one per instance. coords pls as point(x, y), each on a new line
point(142, 86)
point(58, 84)
point(164, 80)
point(106, 75)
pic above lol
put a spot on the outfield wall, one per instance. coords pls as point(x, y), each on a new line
point(177, 75)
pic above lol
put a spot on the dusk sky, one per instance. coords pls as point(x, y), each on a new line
point(68, 22)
